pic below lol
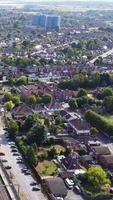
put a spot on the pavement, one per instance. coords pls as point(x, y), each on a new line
point(3, 192)
point(73, 196)
point(25, 189)
point(104, 55)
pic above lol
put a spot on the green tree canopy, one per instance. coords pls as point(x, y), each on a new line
point(8, 105)
point(97, 177)
point(12, 128)
point(32, 99)
point(82, 92)
point(23, 80)
point(73, 103)
point(46, 99)
point(16, 99)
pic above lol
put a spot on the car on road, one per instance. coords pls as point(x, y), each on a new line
point(27, 172)
point(20, 162)
point(69, 183)
point(2, 154)
point(15, 154)
point(14, 150)
point(36, 188)
point(8, 167)
point(24, 170)
point(13, 147)
point(77, 189)
point(33, 183)
point(4, 160)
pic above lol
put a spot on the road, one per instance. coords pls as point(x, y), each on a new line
point(19, 178)
point(104, 55)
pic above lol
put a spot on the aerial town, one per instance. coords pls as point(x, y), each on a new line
point(56, 101)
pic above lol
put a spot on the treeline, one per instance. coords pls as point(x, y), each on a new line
point(87, 81)
point(99, 122)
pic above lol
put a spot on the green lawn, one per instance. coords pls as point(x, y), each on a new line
point(47, 168)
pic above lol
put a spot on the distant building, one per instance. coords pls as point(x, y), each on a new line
point(53, 23)
point(49, 22)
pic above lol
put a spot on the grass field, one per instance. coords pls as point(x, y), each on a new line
point(47, 168)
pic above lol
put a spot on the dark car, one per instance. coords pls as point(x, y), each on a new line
point(20, 161)
point(14, 150)
point(2, 154)
point(34, 183)
point(13, 147)
point(15, 154)
point(27, 172)
point(36, 188)
point(8, 167)
point(77, 189)
point(24, 170)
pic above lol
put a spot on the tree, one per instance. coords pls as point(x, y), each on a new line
point(93, 131)
point(96, 177)
point(83, 151)
point(8, 105)
point(67, 151)
point(38, 134)
point(108, 103)
point(7, 97)
point(46, 99)
point(32, 99)
point(29, 122)
point(73, 103)
point(82, 92)
point(12, 128)
point(31, 156)
point(52, 153)
point(16, 99)
point(99, 122)
point(23, 80)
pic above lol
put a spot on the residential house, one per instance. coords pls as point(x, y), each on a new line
point(55, 187)
point(106, 161)
point(100, 150)
point(20, 111)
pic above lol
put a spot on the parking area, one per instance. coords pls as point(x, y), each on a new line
point(73, 196)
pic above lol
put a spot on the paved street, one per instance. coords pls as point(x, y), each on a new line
point(21, 179)
point(104, 55)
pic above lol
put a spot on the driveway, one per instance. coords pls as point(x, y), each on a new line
point(19, 178)
point(73, 196)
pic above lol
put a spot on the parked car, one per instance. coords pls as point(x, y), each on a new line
point(36, 188)
point(77, 189)
point(4, 160)
point(33, 183)
point(20, 161)
point(13, 150)
point(8, 167)
point(2, 154)
point(69, 183)
point(27, 172)
point(15, 154)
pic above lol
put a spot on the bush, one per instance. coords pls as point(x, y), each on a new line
point(99, 122)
